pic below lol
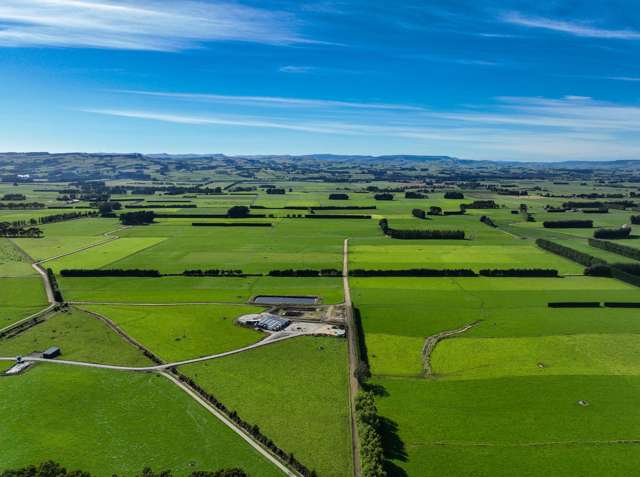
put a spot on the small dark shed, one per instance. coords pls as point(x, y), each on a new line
point(51, 353)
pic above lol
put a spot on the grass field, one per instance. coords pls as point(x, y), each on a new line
point(107, 423)
point(504, 396)
point(529, 426)
point(105, 255)
point(12, 262)
point(484, 358)
point(20, 298)
point(297, 394)
point(196, 289)
point(399, 313)
point(181, 332)
point(81, 337)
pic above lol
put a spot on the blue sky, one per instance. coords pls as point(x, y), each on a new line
point(505, 80)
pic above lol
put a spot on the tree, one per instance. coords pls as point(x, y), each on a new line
point(238, 212)
point(143, 217)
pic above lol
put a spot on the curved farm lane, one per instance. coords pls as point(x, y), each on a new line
point(110, 238)
point(431, 342)
point(159, 367)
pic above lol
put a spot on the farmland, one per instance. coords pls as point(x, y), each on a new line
point(486, 354)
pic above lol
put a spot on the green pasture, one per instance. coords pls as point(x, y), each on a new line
point(435, 428)
point(196, 289)
point(105, 255)
point(399, 313)
point(108, 423)
point(20, 297)
point(485, 358)
point(290, 243)
point(296, 391)
point(12, 262)
point(81, 337)
point(176, 333)
point(400, 254)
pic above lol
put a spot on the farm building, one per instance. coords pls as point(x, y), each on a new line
point(51, 353)
point(270, 322)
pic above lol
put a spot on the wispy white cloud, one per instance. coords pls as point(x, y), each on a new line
point(624, 78)
point(455, 60)
point(158, 25)
point(242, 121)
point(273, 101)
point(298, 69)
point(572, 28)
point(512, 127)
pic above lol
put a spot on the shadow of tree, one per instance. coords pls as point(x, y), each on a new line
point(392, 445)
point(377, 389)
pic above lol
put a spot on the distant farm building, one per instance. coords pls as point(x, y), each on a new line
point(272, 323)
point(51, 353)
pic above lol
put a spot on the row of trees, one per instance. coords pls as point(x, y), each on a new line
point(574, 304)
point(567, 252)
point(414, 272)
point(14, 197)
point(50, 219)
point(325, 272)
point(383, 196)
point(17, 230)
point(213, 273)
point(568, 224)
point(53, 469)
point(55, 288)
point(251, 429)
point(135, 272)
point(420, 234)
point(337, 196)
point(415, 195)
point(453, 195)
point(623, 272)
point(369, 430)
point(144, 217)
point(480, 204)
point(456, 272)
point(488, 221)
point(22, 205)
point(622, 233)
point(623, 250)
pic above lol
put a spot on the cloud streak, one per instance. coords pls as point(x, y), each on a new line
point(512, 127)
point(272, 101)
point(155, 25)
point(572, 28)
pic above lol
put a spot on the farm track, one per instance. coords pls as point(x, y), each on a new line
point(47, 288)
point(354, 386)
point(431, 342)
point(222, 418)
point(110, 238)
point(159, 367)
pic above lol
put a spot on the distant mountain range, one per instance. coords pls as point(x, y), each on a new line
point(436, 160)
